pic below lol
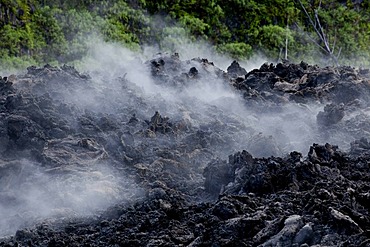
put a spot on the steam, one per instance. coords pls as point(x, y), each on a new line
point(290, 127)
point(30, 193)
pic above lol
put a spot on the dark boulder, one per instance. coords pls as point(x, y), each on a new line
point(332, 114)
point(235, 70)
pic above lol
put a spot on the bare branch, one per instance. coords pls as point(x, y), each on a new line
point(339, 52)
point(309, 18)
point(286, 39)
point(316, 24)
point(334, 42)
point(312, 39)
point(323, 36)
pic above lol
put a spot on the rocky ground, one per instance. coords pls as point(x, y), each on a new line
point(182, 153)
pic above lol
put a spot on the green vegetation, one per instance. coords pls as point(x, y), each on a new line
point(39, 31)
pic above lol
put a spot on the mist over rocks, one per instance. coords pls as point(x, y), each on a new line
point(178, 152)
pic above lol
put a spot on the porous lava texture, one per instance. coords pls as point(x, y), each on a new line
point(187, 155)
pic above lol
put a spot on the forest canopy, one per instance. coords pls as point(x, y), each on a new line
point(56, 31)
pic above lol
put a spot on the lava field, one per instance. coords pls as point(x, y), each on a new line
point(172, 152)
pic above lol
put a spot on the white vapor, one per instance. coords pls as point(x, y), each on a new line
point(31, 194)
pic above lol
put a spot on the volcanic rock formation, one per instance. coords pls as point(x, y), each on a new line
point(189, 156)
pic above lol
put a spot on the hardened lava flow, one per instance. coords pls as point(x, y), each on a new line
point(182, 153)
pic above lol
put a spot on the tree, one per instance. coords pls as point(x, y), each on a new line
point(324, 43)
point(238, 50)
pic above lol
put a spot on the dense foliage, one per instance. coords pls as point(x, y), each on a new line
point(39, 31)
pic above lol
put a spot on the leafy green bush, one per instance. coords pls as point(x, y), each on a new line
point(45, 31)
point(274, 39)
point(49, 35)
point(10, 64)
point(239, 50)
point(173, 37)
point(195, 25)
